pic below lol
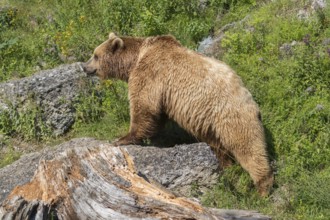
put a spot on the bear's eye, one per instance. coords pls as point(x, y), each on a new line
point(96, 57)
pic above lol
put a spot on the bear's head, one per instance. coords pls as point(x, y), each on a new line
point(114, 58)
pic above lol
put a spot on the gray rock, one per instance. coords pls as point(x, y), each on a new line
point(326, 42)
point(318, 4)
point(307, 12)
point(310, 90)
point(319, 107)
point(211, 45)
point(179, 167)
point(53, 91)
point(205, 44)
point(286, 49)
point(303, 14)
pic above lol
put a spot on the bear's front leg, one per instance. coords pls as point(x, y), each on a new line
point(130, 138)
point(146, 120)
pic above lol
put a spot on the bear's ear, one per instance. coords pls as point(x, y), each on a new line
point(116, 44)
point(112, 36)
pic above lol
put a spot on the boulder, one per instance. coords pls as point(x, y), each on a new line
point(52, 91)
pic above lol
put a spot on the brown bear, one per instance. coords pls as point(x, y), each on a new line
point(203, 95)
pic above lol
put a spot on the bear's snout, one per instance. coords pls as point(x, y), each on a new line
point(87, 69)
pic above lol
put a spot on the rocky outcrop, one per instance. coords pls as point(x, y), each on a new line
point(178, 168)
point(211, 45)
point(90, 179)
point(52, 91)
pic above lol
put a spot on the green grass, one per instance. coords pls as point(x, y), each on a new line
point(7, 152)
point(283, 60)
point(8, 157)
point(292, 89)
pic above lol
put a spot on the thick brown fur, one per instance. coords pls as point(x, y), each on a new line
point(203, 95)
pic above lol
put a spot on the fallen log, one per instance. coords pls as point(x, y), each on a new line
point(89, 179)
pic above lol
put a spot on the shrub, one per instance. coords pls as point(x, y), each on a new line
point(25, 122)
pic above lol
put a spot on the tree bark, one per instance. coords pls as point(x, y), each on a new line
point(88, 179)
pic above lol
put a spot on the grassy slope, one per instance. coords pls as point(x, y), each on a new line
point(291, 86)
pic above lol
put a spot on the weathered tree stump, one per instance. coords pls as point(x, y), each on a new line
point(89, 179)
